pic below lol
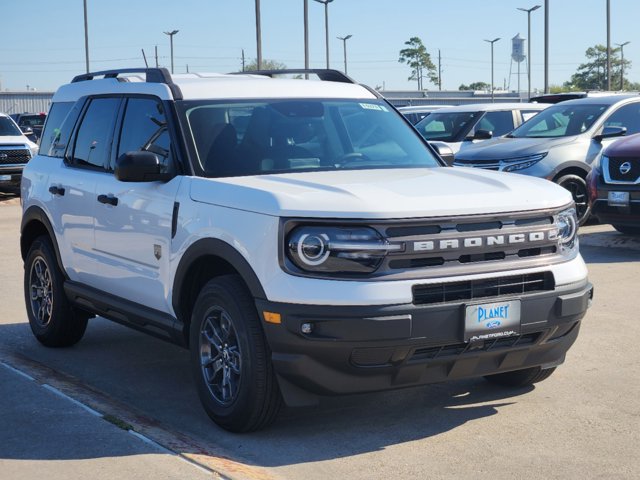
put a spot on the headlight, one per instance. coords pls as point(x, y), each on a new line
point(520, 163)
point(567, 225)
point(336, 250)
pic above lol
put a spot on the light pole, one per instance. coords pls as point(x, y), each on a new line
point(306, 34)
point(608, 44)
point(529, 10)
point(621, 45)
point(492, 42)
point(86, 37)
point(258, 37)
point(171, 34)
point(546, 46)
point(326, 25)
point(344, 45)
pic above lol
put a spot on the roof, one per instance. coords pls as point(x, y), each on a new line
point(600, 100)
point(197, 86)
point(491, 107)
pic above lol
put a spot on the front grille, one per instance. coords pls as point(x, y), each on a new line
point(613, 168)
point(490, 287)
point(14, 155)
point(432, 353)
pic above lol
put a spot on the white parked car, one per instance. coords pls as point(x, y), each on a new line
point(15, 151)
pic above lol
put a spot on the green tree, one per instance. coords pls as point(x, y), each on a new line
point(475, 86)
point(592, 75)
point(415, 55)
point(266, 65)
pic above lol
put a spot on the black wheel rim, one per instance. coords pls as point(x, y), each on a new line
point(220, 356)
point(41, 291)
point(580, 197)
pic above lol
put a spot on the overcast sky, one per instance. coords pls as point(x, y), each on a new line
point(43, 40)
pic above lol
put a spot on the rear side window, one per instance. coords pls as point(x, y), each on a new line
point(498, 123)
point(52, 127)
point(93, 141)
point(627, 116)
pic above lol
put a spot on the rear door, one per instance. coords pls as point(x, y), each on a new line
point(133, 221)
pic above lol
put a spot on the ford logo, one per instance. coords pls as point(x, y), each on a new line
point(493, 324)
point(625, 168)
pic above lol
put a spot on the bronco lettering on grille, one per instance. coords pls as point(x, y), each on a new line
point(482, 241)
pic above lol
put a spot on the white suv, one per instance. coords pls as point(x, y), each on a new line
point(298, 236)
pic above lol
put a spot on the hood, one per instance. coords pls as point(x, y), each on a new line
point(395, 193)
point(504, 148)
point(625, 147)
point(16, 139)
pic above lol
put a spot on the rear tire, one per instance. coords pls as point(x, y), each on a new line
point(520, 378)
point(627, 230)
point(230, 358)
point(578, 188)
point(53, 320)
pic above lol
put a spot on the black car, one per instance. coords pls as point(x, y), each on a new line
point(614, 185)
point(31, 124)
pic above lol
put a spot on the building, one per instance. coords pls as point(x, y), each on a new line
point(21, 102)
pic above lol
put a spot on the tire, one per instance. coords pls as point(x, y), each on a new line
point(230, 358)
point(53, 320)
point(578, 188)
point(627, 230)
point(520, 378)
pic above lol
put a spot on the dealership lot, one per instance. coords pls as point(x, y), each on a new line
point(584, 421)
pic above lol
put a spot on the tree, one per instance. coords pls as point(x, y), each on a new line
point(266, 65)
point(592, 75)
point(475, 86)
point(419, 60)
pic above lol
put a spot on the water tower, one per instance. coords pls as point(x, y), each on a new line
point(517, 55)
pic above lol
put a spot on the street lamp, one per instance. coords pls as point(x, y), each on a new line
point(326, 25)
point(344, 44)
point(529, 10)
point(86, 37)
point(621, 45)
point(546, 46)
point(306, 34)
point(171, 34)
point(258, 38)
point(492, 42)
point(608, 45)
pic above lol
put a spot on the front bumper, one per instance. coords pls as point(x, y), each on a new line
point(365, 349)
point(628, 215)
point(10, 175)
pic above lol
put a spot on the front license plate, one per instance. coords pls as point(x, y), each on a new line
point(4, 178)
point(488, 321)
point(618, 199)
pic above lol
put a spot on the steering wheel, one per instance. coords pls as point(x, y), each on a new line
point(353, 157)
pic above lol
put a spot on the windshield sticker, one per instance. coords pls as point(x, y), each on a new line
point(373, 106)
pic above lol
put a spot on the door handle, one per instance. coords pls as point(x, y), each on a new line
point(55, 190)
point(108, 200)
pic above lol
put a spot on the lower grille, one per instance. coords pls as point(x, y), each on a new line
point(431, 353)
point(491, 287)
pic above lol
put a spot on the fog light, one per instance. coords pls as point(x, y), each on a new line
point(306, 328)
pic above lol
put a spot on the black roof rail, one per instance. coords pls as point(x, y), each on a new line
point(323, 74)
point(152, 75)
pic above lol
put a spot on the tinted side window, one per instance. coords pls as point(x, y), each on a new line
point(51, 133)
point(93, 142)
point(145, 128)
point(497, 122)
point(626, 116)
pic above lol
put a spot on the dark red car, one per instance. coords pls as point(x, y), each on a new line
point(614, 185)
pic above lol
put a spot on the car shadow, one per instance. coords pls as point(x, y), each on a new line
point(151, 377)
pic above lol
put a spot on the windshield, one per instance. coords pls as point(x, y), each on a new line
point(447, 127)
point(561, 120)
point(32, 120)
point(8, 128)
point(237, 138)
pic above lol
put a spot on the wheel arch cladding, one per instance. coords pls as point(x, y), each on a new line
point(35, 223)
point(580, 169)
point(206, 259)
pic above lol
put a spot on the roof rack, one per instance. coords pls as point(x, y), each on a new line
point(323, 74)
point(152, 75)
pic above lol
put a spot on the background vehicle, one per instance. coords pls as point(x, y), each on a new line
point(31, 124)
point(416, 113)
point(464, 125)
point(299, 237)
point(15, 151)
point(560, 143)
point(614, 185)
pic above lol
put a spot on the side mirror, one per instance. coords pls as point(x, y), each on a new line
point(140, 166)
point(444, 151)
point(483, 135)
point(609, 132)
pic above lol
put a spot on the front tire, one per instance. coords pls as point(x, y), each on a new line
point(578, 188)
point(53, 320)
point(627, 230)
point(230, 358)
point(520, 378)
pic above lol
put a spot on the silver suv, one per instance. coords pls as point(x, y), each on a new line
point(560, 143)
